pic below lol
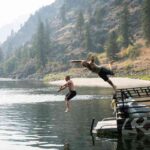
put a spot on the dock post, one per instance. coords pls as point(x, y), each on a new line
point(92, 124)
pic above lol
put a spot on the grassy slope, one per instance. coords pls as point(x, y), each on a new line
point(133, 68)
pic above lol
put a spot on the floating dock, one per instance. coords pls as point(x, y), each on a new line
point(132, 108)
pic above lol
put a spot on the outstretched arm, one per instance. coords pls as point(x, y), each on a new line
point(62, 87)
point(84, 63)
point(77, 61)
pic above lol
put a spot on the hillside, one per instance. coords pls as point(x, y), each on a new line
point(75, 29)
point(13, 26)
point(137, 67)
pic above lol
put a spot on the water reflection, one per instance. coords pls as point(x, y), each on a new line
point(28, 125)
point(125, 143)
point(47, 126)
point(67, 146)
point(134, 143)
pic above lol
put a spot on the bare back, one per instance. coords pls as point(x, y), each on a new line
point(91, 66)
point(95, 68)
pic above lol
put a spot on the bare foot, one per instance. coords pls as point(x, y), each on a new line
point(66, 110)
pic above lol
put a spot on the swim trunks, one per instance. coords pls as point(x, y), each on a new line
point(70, 95)
point(104, 72)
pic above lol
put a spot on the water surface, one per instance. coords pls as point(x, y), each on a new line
point(32, 117)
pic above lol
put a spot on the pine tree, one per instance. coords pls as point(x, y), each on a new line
point(41, 45)
point(124, 26)
point(99, 13)
point(112, 47)
point(88, 40)
point(146, 20)
point(80, 22)
point(1, 55)
point(118, 2)
point(47, 38)
point(63, 14)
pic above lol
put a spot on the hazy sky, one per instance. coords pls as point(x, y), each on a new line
point(12, 9)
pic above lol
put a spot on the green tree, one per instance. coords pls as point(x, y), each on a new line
point(112, 47)
point(1, 55)
point(41, 45)
point(146, 20)
point(80, 22)
point(47, 36)
point(88, 40)
point(74, 3)
point(99, 13)
point(63, 14)
point(124, 26)
point(10, 65)
point(118, 2)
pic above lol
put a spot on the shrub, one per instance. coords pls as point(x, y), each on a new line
point(133, 51)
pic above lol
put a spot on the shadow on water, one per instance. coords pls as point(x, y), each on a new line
point(121, 143)
point(125, 143)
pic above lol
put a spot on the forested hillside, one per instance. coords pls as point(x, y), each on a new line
point(76, 29)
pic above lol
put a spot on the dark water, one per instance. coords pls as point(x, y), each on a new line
point(32, 117)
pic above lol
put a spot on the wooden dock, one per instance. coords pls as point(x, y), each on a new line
point(132, 113)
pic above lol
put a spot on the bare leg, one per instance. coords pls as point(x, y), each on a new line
point(67, 105)
point(110, 64)
point(110, 82)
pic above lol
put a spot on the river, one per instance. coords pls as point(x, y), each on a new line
point(32, 117)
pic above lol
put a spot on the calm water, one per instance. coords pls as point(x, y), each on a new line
point(32, 117)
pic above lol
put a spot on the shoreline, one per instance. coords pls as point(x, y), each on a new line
point(98, 82)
